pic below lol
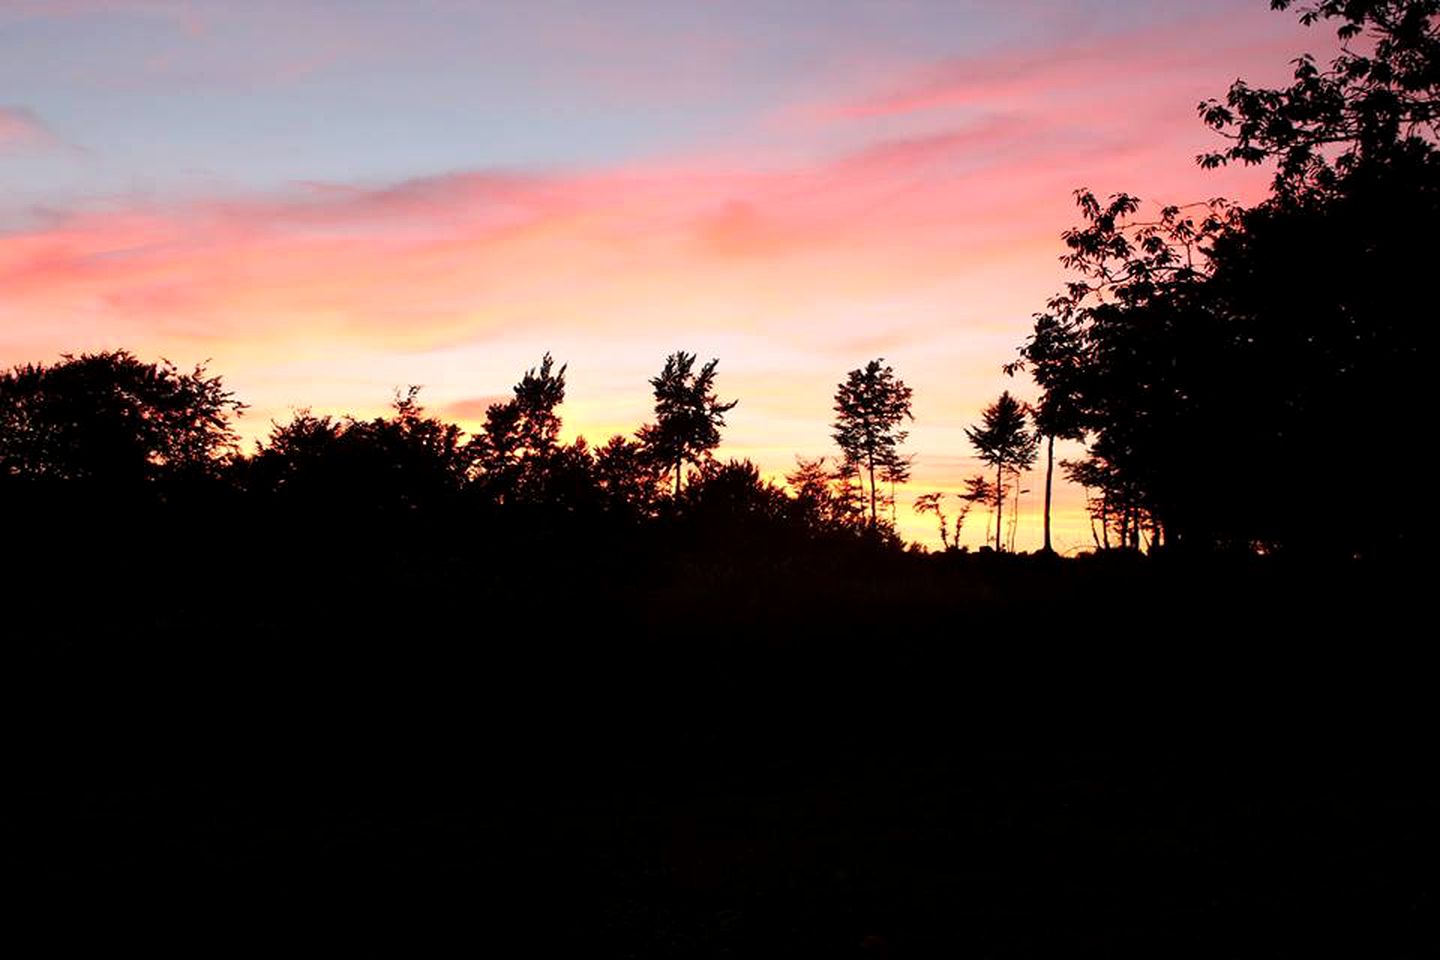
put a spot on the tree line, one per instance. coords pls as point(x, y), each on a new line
point(111, 421)
point(1211, 358)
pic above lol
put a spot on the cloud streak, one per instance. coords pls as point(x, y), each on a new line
point(432, 256)
point(1136, 64)
point(21, 129)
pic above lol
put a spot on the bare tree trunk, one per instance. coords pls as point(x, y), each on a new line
point(1014, 515)
point(1049, 476)
point(1105, 519)
point(870, 458)
point(999, 503)
point(679, 471)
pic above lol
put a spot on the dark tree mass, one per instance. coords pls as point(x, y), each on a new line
point(110, 419)
point(1217, 357)
point(635, 699)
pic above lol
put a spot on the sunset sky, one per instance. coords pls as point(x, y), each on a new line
point(330, 200)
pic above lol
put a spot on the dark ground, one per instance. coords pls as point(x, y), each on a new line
point(609, 755)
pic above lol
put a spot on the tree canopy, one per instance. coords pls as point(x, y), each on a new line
point(1213, 354)
point(347, 467)
point(514, 453)
point(108, 417)
point(1003, 440)
point(688, 415)
point(1372, 105)
point(870, 405)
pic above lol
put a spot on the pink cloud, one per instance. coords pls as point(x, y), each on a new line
point(979, 138)
point(471, 255)
point(20, 129)
point(1140, 63)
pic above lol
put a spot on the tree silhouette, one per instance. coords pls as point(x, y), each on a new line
point(1131, 354)
point(814, 501)
point(1211, 339)
point(851, 496)
point(931, 503)
point(894, 471)
point(978, 489)
point(1018, 486)
point(1054, 354)
point(688, 415)
point(870, 405)
point(537, 395)
point(519, 440)
point(733, 501)
point(1003, 441)
point(626, 476)
point(1370, 106)
point(348, 467)
point(107, 417)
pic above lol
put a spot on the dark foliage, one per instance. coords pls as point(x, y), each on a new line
point(356, 683)
point(351, 469)
point(109, 419)
point(1376, 103)
point(1003, 440)
point(688, 415)
point(869, 408)
point(517, 458)
point(1215, 355)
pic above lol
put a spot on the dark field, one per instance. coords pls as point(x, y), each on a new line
point(547, 747)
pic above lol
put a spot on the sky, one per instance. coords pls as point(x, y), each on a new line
point(327, 201)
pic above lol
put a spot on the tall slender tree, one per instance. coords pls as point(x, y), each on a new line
point(931, 503)
point(1054, 355)
point(870, 406)
point(895, 471)
point(1003, 441)
point(977, 490)
point(688, 415)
